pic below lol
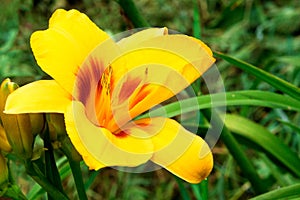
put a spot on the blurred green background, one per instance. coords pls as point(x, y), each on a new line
point(263, 33)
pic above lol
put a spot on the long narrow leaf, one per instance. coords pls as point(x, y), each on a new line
point(289, 192)
point(236, 151)
point(266, 140)
point(236, 98)
point(183, 191)
point(276, 82)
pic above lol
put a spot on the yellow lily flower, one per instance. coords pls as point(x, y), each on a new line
point(101, 85)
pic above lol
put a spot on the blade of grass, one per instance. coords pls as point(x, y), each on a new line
point(200, 190)
point(236, 98)
point(291, 125)
point(236, 151)
point(183, 191)
point(197, 191)
point(196, 20)
point(266, 140)
point(273, 80)
point(274, 170)
point(288, 192)
point(91, 179)
point(132, 13)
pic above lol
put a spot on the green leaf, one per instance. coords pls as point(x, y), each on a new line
point(196, 20)
point(183, 191)
point(37, 191)
point(236, 98)
point(273, 80)
point(200, 190)
point(236, 151)
point(133, 13)
point(288, 192)
point(291, 125)
point(293, 60)
point(264, 139)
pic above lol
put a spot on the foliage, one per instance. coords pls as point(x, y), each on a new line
point(263, 117)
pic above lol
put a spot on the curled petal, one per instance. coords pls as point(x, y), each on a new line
point(176, 149)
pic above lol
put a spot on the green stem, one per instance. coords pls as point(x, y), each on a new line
point(236, 151)
point(38, 176)
point(52, 173)
point(196, 188)
point(204, 189)
point(74, 161)
point(132, 13)
point(76, 171)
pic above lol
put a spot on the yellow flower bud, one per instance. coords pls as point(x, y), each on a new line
point(57, 127)
point(3, 170)
point(37, 122)
point(4, 145)
point(58, 123)
point(7, 87)
point(17, 127)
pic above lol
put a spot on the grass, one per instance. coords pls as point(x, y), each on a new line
point(260, 67)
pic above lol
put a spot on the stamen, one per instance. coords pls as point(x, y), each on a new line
point(103, 101)
point(105, 80)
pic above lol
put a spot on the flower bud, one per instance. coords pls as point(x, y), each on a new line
point(17, 127)
point(7, 87)
point(4, 145)
point(56, 120)
point(3, 170)
point(37, 122)
point(57, 127)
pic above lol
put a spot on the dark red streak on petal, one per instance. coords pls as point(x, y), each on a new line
point(128, 88)
point(87, 79)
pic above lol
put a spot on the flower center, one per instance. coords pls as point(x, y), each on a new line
point(103, 100)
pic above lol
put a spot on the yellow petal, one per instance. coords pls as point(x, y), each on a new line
point(61, 49)
point(134, 40)
point(38, 97)
point(181, 152)
point(157, 70)
point(99, 147)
